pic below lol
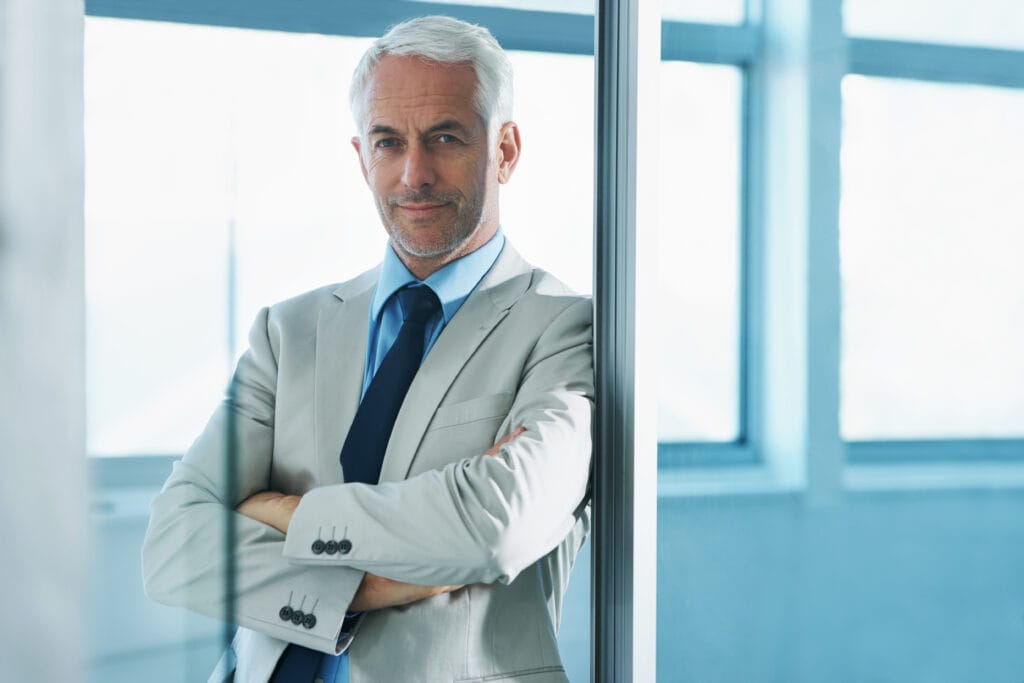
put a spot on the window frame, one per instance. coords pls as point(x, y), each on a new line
point(944, 64)
point(739, 46)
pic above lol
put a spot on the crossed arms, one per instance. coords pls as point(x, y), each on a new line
point(481, 519)
point(375, 592)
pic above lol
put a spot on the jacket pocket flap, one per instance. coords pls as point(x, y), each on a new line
point(482, 408)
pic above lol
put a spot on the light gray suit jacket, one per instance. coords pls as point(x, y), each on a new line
point(508, 527)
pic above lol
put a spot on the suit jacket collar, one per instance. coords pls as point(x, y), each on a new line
point(342, 331)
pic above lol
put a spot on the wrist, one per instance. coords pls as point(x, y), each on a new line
point(286, 509)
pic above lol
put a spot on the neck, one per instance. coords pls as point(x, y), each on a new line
point(425, 266)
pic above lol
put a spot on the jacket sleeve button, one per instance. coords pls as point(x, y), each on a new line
point(331, 547)
point(344, 546)
point(309, 621)
point(285, 613)
point(318, 547)
point(297, 617)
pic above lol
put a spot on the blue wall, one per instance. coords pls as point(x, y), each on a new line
point(900, 586)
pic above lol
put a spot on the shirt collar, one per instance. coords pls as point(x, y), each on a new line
point(452, 283)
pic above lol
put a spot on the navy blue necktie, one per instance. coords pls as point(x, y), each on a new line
point(367, 440)
point(363, 452)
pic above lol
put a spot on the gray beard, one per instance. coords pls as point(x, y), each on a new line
point(453, 236)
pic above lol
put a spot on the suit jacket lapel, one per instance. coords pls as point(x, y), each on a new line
point(342, 327)
point(507, 280)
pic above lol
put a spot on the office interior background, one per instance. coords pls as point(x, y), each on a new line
point(840, 307)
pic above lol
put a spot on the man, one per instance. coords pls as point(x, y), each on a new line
point(413, 445)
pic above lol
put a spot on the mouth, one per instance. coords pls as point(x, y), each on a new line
point(424, 209)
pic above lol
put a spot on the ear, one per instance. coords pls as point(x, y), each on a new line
point(509, 146)
point(357, 144)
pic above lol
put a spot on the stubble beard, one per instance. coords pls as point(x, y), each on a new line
point(468, 217)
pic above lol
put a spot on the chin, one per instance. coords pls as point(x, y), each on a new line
point(430, 247)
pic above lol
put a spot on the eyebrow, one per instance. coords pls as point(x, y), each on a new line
point(447, 124)
point(380, 129)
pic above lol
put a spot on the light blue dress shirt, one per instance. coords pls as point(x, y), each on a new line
point(452, 285)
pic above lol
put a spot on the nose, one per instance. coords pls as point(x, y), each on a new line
point(419, 171)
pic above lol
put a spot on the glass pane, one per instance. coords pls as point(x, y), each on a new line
point(931, 237)
point(243, 128)
point(155, 285)
point(992, 23)
point(554, 108)
point(699, 252)
point(303, 217)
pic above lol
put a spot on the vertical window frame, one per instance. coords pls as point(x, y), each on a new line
point(738, 46)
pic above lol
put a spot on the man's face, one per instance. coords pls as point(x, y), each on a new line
point(425, 155)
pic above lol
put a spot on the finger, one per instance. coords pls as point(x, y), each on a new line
point(508, 437)
point(493, 450)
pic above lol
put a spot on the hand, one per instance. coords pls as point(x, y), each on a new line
point(270, 507)
point(376, 592)
point(493, 450)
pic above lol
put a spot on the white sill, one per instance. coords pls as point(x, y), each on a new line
point(993, 476)
point(751, 480)
point(760, 480)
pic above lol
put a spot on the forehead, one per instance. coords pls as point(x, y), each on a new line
point(400, 87)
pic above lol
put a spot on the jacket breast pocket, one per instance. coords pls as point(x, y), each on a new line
point(490, 407)
point(461, 430)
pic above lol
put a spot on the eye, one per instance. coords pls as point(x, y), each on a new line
point(447, 138)
point(385, 143)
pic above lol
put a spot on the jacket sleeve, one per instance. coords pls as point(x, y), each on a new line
point(484, 518)
point(187, 555)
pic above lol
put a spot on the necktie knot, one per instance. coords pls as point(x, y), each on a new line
point(419, 304)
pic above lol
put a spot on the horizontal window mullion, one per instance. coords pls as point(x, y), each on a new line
point(357, 18)
point(705, 454)
point(514, 29)
point(931, 62)
point(690, 42)
point(934, 450)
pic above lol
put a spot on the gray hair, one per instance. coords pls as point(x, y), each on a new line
point(446, 41)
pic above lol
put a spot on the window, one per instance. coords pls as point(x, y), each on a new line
point(216, 184)
point(931, 230)
point(932, 300)
point(699, 253)
point(701, 236)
